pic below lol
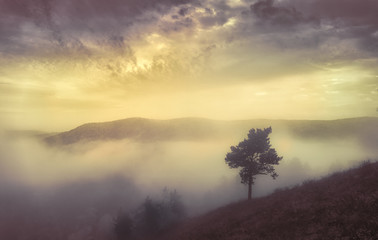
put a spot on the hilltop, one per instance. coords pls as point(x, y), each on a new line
point(141, 129)
point(341, 206)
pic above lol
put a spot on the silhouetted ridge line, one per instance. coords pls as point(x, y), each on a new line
point(142, 129)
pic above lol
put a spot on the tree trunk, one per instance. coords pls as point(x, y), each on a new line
point(250, 189)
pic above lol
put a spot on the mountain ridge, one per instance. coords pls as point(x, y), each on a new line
point(144, 129)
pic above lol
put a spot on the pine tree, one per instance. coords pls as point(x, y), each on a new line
point(254, 156)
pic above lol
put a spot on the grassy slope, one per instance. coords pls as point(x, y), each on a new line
point(342, 206)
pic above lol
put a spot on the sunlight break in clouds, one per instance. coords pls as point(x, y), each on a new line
point(66, 63)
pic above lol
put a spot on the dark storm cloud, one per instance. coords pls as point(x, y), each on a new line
point(339, 29)
point(183, 11)
point(355, 19)
point(211, 14)
point(268, 12)
point(176, 26)
point(214, 18)
point(362, 11)
point(349, 19)
point(122, 13)
point(15, 15)
point(26, 25)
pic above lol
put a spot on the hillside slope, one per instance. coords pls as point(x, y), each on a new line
point(141, 129)
point(342, 206)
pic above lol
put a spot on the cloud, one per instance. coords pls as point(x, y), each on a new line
point(346, 19)
point(267, 12)
point(45, 26)
point(26, 26)
point(329, 31)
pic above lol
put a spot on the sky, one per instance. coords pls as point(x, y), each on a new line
point(64, 63)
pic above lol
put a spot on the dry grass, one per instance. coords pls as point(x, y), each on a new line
point(341, 206)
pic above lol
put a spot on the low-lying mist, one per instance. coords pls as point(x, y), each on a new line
point(75, 191)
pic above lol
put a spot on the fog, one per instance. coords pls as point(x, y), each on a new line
point(75, 191)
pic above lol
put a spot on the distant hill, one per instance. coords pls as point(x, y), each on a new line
point(141, 129)
point(342, 206)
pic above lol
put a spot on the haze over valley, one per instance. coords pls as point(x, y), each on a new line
point(117, 164)
point(111, 108)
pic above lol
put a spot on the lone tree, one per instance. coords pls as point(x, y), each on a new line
point(254, 156)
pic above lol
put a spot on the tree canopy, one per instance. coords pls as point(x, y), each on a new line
point(254, 156)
